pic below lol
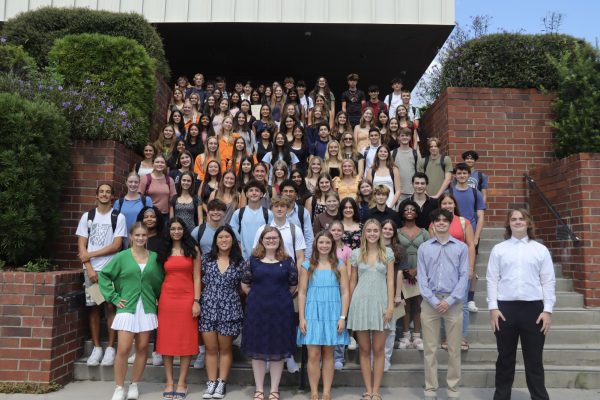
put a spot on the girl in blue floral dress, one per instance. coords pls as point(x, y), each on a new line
point(323, 299)
point(221, 317)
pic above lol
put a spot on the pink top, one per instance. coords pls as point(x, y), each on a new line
point(456, 230)
point(160, 191)
point(344, 253)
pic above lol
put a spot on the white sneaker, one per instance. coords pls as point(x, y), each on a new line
point(157, 359)
point(133, 393)
point(472, 306)
point(109, 357)
point(292, 367)
point(238, 341)
point(405, 343)
point(119, 393)
point(353, 345)
point(386, 365)
point(131, 359)
point(338, 366)
point(199, 363)
point(418, 343)
point(94, 358)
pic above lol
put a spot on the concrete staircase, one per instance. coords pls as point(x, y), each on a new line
point(571, 355)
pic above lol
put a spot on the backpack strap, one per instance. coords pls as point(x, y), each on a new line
point(144, 201)
point(195, 200)
point(240, 216)
point(463, 225)
point(293, 232)
point(301, 216)
point(416, 157)
point(90, 220)
point(265, 211)
point(443, 163)
point(121, 200)
point(474, 199)
point(479, 180)
point(201, 230)
point(148, 183)
point(389, 97)
point(425, 162)
point(114, 217)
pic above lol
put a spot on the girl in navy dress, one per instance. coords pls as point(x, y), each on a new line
point(221, 318)
point(269, 334)
point(323, 300)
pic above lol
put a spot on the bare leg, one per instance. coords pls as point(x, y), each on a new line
point(141, 355)
point(94, 320)
point(314, 370)
point(327, 360)
point(258, 368)
point(168, 363)
point(212, 354)
point(120, 366)
point(275, 371)
point(225, 356)
point(378, 359)
point(110, 316)
point(364, 355)
point(184, 366)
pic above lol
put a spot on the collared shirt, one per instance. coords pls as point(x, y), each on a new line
point(443, 268)
point(428, 206)
point(520, 270)
point(286, 234)
point(308, 231)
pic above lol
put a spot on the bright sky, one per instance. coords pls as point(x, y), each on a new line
point(580, 17)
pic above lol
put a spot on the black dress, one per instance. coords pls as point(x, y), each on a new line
point(269, 331)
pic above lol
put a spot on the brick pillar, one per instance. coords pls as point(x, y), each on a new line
point(510, 130)
point(41, 326)
point(93, 162)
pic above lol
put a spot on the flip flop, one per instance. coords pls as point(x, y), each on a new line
point(168, 395)
point(180, 395)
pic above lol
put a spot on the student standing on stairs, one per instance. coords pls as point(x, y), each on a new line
point(521, 296)
point(132, 281)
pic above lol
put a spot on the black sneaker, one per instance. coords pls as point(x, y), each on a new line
point(220, 390)
point(210, 390)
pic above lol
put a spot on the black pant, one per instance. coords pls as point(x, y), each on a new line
point(520, 322)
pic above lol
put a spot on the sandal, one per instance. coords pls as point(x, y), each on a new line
point(375, 396)
point(326, 396)
point(366, 396)
point(180, 395)
point(258, 395)
point(168, 395)
point(314, 397)
point(444, 345)
point(464, 345)
point(274, 396)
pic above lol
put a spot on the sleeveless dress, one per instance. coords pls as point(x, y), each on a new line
point(369, 300)
point(178, 335)
point(323, 310)
point(186, 212)
point(269, 329)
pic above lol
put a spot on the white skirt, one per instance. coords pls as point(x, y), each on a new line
point(136, 323)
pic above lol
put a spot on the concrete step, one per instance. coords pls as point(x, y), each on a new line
point(496, 234)
point(559, 335)
point(563, 299)
point(561, 316)
point(400, 375)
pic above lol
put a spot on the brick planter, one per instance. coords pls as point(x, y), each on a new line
point(510, 130)
point(93, 162)
point(41, 326)
point(573, 186)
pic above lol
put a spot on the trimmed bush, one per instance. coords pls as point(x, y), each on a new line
point(34, 148)
point(16, 60)
point(37, 30)
point(508, 60)
point(120, 66)
point(577, 104)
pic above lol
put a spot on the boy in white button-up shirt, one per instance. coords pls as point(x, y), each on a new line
point(520, 295)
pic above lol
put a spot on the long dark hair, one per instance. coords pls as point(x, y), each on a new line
point(188, 244)
point(284, 151)
point(160, 223)
point(235, 253)
point(343, 202)
point(180, 125)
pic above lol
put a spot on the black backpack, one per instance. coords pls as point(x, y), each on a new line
point(442, 163)
point(122, 199)
point(415, 155)
point(114, 216)
point(241, 214)
point(451, 191)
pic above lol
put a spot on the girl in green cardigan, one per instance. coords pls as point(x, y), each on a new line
point(132, 282)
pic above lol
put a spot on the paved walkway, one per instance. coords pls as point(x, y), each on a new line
point(152, 391)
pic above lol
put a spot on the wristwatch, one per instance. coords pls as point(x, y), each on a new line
point(343, 317)
point(197, 301)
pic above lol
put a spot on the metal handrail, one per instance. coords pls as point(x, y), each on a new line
point(550, 207)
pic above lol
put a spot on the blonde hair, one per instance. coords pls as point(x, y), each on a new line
point(363, 122)
point(309, 173)
point(339, 155)
point(381, 249)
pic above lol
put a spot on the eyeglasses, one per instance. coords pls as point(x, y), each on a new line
point(271, 239)
point(347, 139)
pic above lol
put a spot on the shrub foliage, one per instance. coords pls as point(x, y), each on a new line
point(33, 166)
point(16, 60)
point(577, 104)
point(37, 30)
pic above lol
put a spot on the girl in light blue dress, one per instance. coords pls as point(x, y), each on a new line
point(323, 300)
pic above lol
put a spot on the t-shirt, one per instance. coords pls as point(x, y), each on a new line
point(343, 253)
point(131, 209)
point(286, 234)
point(353, 103)
point(466, 204)
point(252, 220)
point(206, 240)
point(405, 160)
point(434, 172)
point(100, 235)
point(394, 103)
point(323, 221)
point(160, 190)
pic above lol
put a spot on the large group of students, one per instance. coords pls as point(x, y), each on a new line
point(263, 218)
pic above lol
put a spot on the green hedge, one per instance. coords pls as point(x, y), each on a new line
point(577, 104)
point(37, 30)
point(508, 60)
point(119, 66)
point(16, 60)
point(34, 148)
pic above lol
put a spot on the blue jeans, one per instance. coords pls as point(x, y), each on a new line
point(338, 353)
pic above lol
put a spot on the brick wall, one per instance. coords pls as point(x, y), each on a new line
point(508, 128)
point(93, 162)
point(41, 334)
point(573, 186)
